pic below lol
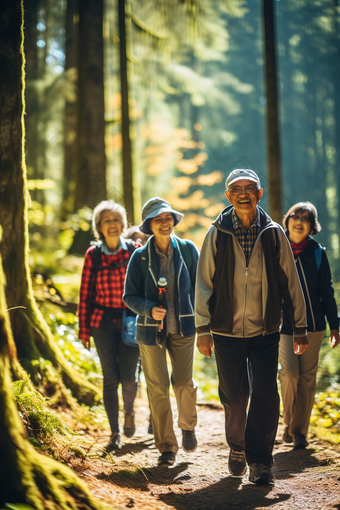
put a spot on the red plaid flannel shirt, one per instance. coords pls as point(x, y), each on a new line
point(108, 292)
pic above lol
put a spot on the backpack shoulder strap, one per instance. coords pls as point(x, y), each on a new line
point(318, 256)
point(144, 260)
point(185, 252)
point(97, 259)
point(130, 246)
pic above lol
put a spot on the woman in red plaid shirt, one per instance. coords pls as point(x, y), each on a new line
point(100, 315)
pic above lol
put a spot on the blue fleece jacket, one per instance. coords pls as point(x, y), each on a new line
point(141, 294)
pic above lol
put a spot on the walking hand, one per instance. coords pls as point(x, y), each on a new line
point(244, 268)
point(160, 288)
point(298, 374)
point(101, 312)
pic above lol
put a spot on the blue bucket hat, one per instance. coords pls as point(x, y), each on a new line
point(153, 208)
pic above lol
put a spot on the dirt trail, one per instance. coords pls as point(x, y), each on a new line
point(305, 479)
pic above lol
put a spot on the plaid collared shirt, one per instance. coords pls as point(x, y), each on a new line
point(246, 238)
point(107, 290)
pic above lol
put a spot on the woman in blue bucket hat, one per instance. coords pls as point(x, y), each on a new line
point(165, 323)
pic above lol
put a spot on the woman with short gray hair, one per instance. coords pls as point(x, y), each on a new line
point(101, 311)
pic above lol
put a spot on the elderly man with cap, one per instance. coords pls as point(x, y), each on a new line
point(245, 268)
point(170, 328)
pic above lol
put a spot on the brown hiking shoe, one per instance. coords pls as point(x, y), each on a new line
point(299, 441)
point(129, 424)
point(237, 463)
point(287, 438)
point(260, 474)
point(189, 442)
point(115, 443)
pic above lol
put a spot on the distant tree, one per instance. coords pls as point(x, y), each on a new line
point(33, 339)
point(33, 73)
point(70, 115)
point(90, 159)
point(273, 123)
point(126, 140)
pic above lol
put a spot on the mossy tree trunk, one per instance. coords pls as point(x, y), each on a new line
point(32, 336)
point(27, 476)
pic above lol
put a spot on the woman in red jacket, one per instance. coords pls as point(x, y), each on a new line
point(100, 314)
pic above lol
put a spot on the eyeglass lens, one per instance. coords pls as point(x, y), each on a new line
point(248, 190)
point(299, 218)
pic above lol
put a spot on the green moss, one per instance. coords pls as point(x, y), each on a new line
point(45, 429)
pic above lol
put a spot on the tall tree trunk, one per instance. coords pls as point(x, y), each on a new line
point(32, 336)
point(70, 116)
point(26, 476)
point(124, 87)
point(91, 159)
point(32, 96)
point(273, 128)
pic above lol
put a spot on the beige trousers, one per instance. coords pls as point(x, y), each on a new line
point(297, 376)
point(153, 358)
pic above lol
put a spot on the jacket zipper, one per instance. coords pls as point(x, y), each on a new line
point(155, 282)
point(245, 301)
point(179, 293)
point(309, 300)
point(246, 273)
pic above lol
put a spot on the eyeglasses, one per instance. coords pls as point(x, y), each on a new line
point(302, 219)
point(238, 190)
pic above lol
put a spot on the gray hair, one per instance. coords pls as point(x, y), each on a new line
point(106, 205)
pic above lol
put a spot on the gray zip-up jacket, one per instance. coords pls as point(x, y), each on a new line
point(237, 300)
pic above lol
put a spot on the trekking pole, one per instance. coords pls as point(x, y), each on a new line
point(162, 288)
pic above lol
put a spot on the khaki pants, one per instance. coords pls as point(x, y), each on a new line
point(181, 351)
point(297, 376)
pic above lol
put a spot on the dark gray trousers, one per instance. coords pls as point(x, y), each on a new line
point(253, 431)
point(120, 364)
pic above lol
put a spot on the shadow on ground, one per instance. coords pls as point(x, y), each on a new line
point(288, 464)
point(226, 493)
point(141, 478)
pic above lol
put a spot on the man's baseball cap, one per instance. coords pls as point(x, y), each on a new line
point(242, 173)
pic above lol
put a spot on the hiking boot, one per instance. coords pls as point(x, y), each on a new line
point(167, 459)
point(129, 424)
point(150, 429)
point(287, 438)
point(236, 463)
point(189, 441)
point(299, 441)
point(260, 474)
point(115, 443)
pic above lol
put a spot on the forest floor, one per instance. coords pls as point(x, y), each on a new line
point(304, 479)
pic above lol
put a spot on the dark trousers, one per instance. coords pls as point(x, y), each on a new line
point(120, 364)
point(253, 431)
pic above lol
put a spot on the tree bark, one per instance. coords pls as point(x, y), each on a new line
point(90, 159)
point(32, 336)
point(70, 115)
point(26, 476)
point(273, 127)
point(126, 140)
point(32, 97)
